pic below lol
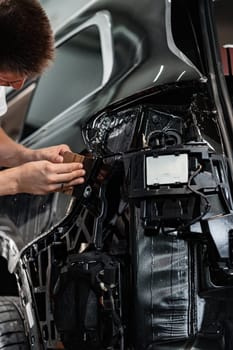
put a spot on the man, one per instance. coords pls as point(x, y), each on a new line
point(26, 49)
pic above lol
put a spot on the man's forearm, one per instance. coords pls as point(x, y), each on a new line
point(11, 153)
point(8, 182)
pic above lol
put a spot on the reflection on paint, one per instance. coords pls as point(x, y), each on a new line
point(159, 73)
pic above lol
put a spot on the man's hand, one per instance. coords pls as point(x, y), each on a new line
point(37, 171)
point(43, 177)
point(53, 154)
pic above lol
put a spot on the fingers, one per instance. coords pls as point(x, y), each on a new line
point(63, 168)
point(53, 154)
point(59, 152)
point(69, 174)
point(64, 148)
point(73, 178)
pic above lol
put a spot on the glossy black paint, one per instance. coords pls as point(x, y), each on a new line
point(145, 56)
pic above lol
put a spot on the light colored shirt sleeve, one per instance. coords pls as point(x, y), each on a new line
point(3, 104)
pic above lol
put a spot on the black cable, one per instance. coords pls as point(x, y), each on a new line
point(202, 195)
point(207, 206)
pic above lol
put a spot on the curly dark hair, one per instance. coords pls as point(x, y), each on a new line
point(26, 38)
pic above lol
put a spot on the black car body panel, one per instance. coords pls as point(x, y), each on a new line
point(132, 61)
point(140, 257)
